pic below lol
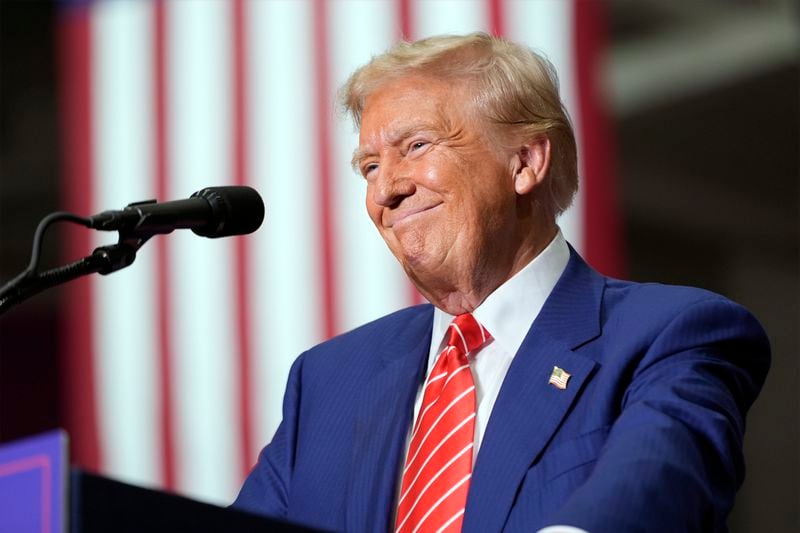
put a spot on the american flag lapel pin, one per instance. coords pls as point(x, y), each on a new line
point(559, 378)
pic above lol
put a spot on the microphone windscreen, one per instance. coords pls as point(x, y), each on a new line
point(237, 210)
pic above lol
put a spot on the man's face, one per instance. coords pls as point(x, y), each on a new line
point(439, 190)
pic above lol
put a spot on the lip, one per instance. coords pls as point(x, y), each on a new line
point(407, 215)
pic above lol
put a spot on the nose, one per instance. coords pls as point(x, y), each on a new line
point(392, 185)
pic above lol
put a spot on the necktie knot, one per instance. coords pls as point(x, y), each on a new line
point(466, 334)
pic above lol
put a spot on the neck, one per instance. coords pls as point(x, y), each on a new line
point(463, 292)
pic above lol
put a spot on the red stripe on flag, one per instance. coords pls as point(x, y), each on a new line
point(404, 16)
point(77, 365)
point(602, 228)
point(242, 256)
point(323, 109)
point(496, 14)
point(161, 150)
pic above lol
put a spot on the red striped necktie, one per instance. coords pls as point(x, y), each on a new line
point(439, 462)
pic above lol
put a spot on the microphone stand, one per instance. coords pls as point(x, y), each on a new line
point(103, 260)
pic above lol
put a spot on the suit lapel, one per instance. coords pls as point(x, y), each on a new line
point(528, 410)
point(385, 410)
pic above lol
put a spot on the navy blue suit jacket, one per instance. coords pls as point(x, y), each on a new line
point(647, 436)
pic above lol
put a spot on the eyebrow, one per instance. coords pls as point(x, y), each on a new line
point(359, 154)
point(395, 138)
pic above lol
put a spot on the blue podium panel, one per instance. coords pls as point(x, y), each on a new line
point(32, 483)
point(33, 496)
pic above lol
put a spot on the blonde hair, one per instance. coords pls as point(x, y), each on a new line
point(513, 88)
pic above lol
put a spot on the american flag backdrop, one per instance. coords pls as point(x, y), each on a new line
point(177, 365)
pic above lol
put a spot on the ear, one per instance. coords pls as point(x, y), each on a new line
point(534, 162)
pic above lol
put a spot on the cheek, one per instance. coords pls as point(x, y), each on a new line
point(431, 177)
point(435, 171)
point(453, 175)
point(373, 209)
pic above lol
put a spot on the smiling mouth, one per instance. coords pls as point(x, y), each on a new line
point(409, 214)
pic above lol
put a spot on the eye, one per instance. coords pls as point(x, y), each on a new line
point(368, 168)
point(416, 145)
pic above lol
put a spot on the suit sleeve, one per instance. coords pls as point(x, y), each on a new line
point(673, 459)
point(266, 489)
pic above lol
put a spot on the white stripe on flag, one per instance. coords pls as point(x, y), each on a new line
point(434, 17)
point(371, 283)
point(125, 343)
point(547, 27)
point(284, 167)
point(199, 91)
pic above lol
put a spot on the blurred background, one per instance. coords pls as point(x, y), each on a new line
point(170, 373)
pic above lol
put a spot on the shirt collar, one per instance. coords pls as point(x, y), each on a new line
point(508, 312)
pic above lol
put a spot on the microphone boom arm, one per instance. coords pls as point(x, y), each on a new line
point(211, 212)
point(103, 260)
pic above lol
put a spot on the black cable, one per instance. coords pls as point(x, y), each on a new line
point(38, 237)
point(21, 283)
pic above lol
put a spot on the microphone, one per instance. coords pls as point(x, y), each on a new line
point(212, 212)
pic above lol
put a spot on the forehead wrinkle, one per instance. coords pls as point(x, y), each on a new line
point(393, 138)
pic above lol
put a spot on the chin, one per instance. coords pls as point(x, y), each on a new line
point(417, 252)
point(423, 269)
point(411, 260)
point(406, 245)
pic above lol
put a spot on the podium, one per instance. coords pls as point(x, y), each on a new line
point(38, 495)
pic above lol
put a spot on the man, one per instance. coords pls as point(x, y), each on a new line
point(555, 395)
